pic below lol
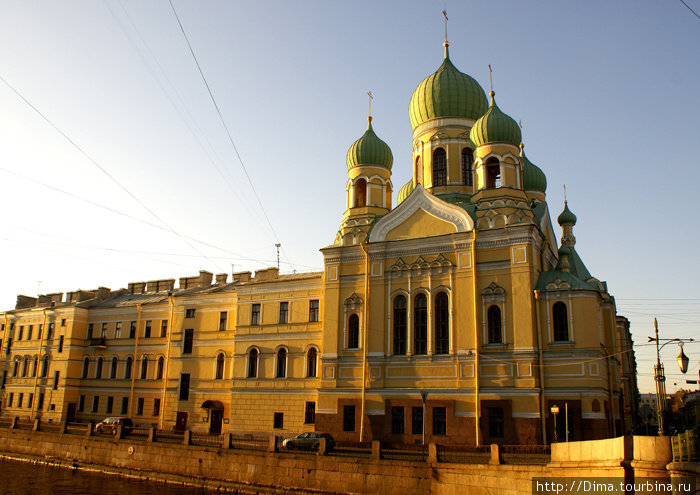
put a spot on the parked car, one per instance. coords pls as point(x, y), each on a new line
point(109, 425)
point(308, 441)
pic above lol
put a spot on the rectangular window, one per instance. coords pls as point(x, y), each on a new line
point(125, 405)
point(103, 331)
point(10, 399)
point(20, 399)
point(110, 404)
point(9, 345)
point(81, 403)
point(63, 322)
point(89, 331)
point(313, 310)
point(278, 420)
point(397, 420)
point(223, 319)
point(184, 386)
point(147, 330)
point(95, 403)
point(187, 344)
point(164, 328)
point(30, 399)
point(39, 332)
point(40, 402)
point(255, 315)
point(60, 343)
point(29, 332)
point(284, 310)
point(310, 413)
point(20, 333)
point(439, 421)
point(495, 415)
point(348, 418)
point(56, 375)
point(4, 379)
point(189, 313)
point(118, 330)
point(49, 334)
point(156, 407)
point(132, 330)
point(139, 406)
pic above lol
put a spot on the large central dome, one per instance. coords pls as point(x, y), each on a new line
point(446, 93)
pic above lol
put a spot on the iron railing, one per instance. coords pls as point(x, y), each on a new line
point(464, 454)
point(525, 454)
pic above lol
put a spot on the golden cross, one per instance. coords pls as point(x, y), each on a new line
point(369, 93)
point(491, 77)
point(444, 13)
point(564, 193)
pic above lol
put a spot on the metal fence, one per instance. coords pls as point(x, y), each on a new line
point(405, 453)
point(206, 440)
point(352, 449)
point(464, 454)
point(525, 454)
point(249, 441)
point(165, 436)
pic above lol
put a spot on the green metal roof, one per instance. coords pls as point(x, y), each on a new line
point(369, 150)
point(566, 217)
point(446, 93)
point(533, 178)
point(495, 127)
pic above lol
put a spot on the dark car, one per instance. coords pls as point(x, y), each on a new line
point(109, 425)
point(308, 441)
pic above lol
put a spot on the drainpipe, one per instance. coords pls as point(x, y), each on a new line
point(38, 365)
point(168, 335)
point(541, 367)
point(134, 366)
point(365, 341)
point(476, 346)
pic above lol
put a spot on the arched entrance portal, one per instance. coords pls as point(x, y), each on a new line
point(216, 415)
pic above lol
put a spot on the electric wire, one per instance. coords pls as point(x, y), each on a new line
point(688, 6)
point(223, 122)
point(102, 169)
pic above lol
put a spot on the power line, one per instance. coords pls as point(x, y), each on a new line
point(103, 170)
point(223, 122)
point(694, 13)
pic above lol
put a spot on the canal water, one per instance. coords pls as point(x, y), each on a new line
point(25, 478)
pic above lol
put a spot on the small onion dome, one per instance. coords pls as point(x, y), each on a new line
point(495, 127)
point(369, 150)
point(446, 93)
point(533, 178)
point(566, 217)
point(404, 192)
point(563, 250)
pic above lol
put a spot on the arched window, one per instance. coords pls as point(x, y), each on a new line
point(253, 363)
point(25, 366)
point(35, 366)
point(353, 331)
point(420, 324)
point(399, 325)
point(493, 317)
point(15, 369)
point(44, 367)
point(281, 370)
point(311, 358)
point(559, 320)
point(86, 366)
point(161, 365)
point(113, 368)
point(467, 161)
point(493, 173)
point(442, 324)
point(360, 192)
point(419, 171)
point(439, 167)
point(98, 371)
point(219, 367)
point(144, 367)
point(127, 367)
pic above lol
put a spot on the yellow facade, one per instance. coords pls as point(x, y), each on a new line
point(453, 316)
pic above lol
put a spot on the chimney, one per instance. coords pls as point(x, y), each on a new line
point(205, 278)
point(24, 302)
point(137, 287)
point(241, 277)
point(221, 278)
point(267, 274)
point(103, 293)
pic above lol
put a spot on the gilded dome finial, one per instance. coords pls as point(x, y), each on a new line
point(491, 82)
point(446, 43)
point(369, 116)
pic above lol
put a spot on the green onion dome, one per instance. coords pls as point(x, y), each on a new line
point(404, 192)
point(563, 250)
point(495, 127)
point(369, 150)
point(566, 217)
point(446, 93)
point(533, 178)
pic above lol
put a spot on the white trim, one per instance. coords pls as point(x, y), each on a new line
point(528, 415)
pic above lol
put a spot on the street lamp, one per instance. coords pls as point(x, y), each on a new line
point(659, 377)
point(555, 411)
point(423, 396)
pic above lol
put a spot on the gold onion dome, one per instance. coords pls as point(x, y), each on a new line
point(495, 127)
point(369, 150)
point(446, 93)
point(533, 178)
point(404, 192)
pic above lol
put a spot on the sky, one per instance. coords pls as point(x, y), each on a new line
point(119, 164)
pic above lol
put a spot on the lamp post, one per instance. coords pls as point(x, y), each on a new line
point(423, 396)
point(659, 377)
point(555, 411)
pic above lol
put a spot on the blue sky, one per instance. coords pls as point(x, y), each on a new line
point(606, 91)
